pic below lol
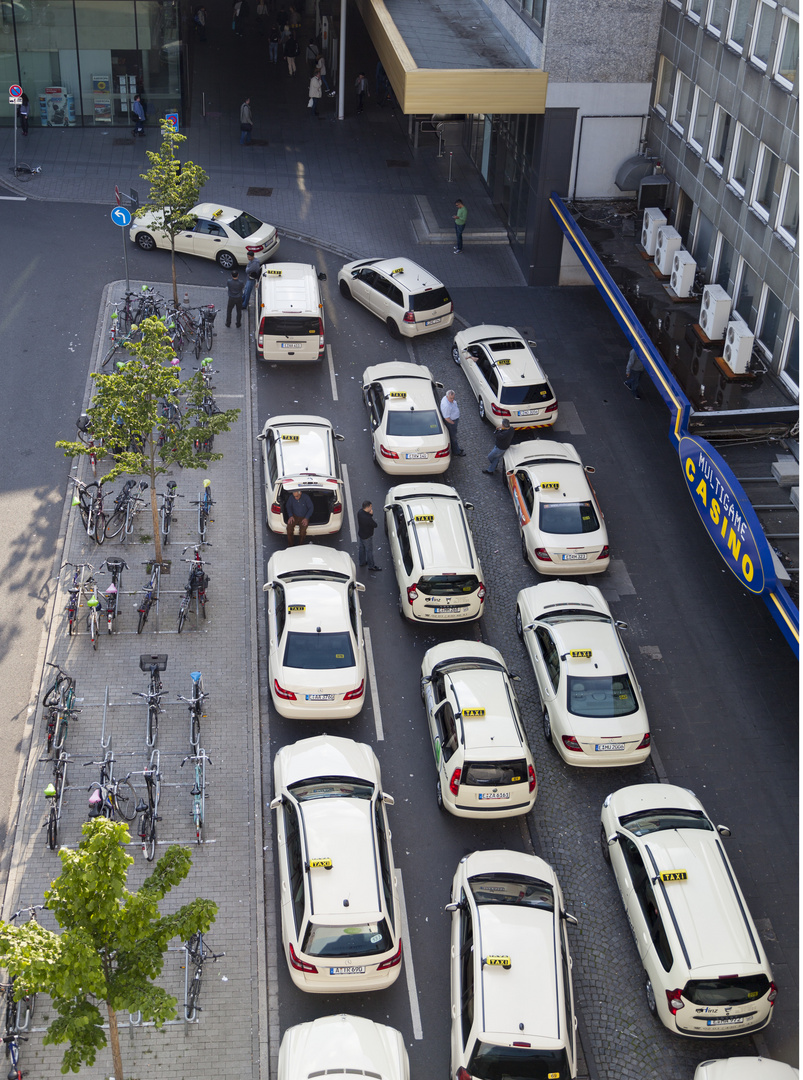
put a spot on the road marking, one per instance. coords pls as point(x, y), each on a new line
point(14, 198)
point(369, 659)
point(349, 507)
point(331, 364)
point(410, 351)
point(409, 971)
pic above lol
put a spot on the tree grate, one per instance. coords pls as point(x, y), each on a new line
point(265, 192)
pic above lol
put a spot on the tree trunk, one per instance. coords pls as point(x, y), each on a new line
point(157, 535)
point(114, 1039)
point(173, 263)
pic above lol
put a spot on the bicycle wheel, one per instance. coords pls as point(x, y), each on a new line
point(208, 332)
point(193, 993)
point(51, 729)
point(153, 724)
point(182, 614)
point(94, 628)
point(52, 829)
point(199, 344)
point(195, 729)
point(198, 818)
point(22, 172)
point(126, 800)
point(147, 833)
point(202, 602)
point(115, 523)
point(58, 743)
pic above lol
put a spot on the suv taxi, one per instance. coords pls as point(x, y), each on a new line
point(341, 922)
point(505, 377)
point(300, 453)
point(407, 432)
point(482, 757)
point(437, 568)
point(707, 973)
point(343, 1045)
point(511, 974)
point(406, 297)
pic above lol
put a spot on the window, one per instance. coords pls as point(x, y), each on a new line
point(761, 43)
point(785, 67)
point(788, 206)
point(790, 360)
point(723, 262)
point(701, 120)
point(747, 283)
point(737, 27)
point(663, 86)
point(536, 9)
point(295, 863)
point(550, 654)
point(694, 9)
point(704, 234)
point(466, 969)
point(716, 16)
point(384, 860)
point(744, 151)
point(681, 103)
point(764, 183)
point(769, 320)
point(720, 138)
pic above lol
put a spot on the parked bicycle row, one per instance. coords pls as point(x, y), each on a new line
point(187, 326)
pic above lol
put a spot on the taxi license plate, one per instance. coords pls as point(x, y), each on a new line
point(292, 344)
point(320, 697)
point(449, 610)
point(432, 322)
point(493, 795)
point(347, 971)
point(410, 457)
point(574, 556)
point(609, 746)
point(528, 412)
point(725, 1020)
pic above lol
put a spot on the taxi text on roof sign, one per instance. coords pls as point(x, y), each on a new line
point(673, 875)
point(497, 961)
point(550, 485)
point(502, 362)
point(580, 654)
point(473, 712)
point(290, 438)
point(296, 607)
point(217, 213)
point(426, 518)
point(273, 273)
point(320, 864)
point(398, 270)
point(398, 393)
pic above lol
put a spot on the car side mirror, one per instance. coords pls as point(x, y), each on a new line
point(261, 437)
point(514, 677)
point(570, 919)
point(613, 839)
point(439, 386)
point(388, 799)
point(277, 802)
point(455, 905)
point(321, 276)
point(267, 586)
point(426, 680)
point(359, 587)
point(532, 344)
point(468, 505)
point(590, 469)
point(386, 508)
point(339, 438)
point(621, 625)
point(723, 830)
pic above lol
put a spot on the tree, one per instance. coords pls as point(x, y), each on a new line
point(137, 432)
point(175, 189)
point(111, 946)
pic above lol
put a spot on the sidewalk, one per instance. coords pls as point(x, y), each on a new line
point(228, 867)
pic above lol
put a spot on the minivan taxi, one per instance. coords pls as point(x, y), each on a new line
point(290, 320)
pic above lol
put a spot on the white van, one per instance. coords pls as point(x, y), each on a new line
point(290, 313)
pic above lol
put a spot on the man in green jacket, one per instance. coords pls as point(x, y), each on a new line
point(459, 224)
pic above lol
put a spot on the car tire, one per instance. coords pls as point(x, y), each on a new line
point(519, 625)
point(481, 408)
point(345, 291)
point(456, 354)
point(547, 725)
point(376, 462)
point(393, 329)
point(439, 795)
point(603, 842)
point(145, 241)
point(400, 606)
point(524, 554)
point(226, 260)
point(651, 1003)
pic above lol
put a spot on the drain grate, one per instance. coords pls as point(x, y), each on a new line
point(124, 142)
point(393, 164)
point(260, 142)
point(265, 192)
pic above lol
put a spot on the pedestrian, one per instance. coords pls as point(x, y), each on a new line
point(633, 373)
point(139, 116)
point(315, 93)
point(366, 524)
point(361, 86)
point(253, 268)
point(200, 22)
point(273, 44)
point(299, 510)
point(262, 15)
point(234, 287)
point(293, 19)
point(246, 122)
point(312, 54)
point(450, 411)
point(22, 110)
point(502, 440)
point(459, 224)
point(291, 52)
point(320, 69)
point(235, 16)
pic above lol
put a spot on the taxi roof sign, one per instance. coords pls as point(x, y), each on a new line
point(320, 864)
point(550, 485)
point(498, 961)
point(673, 875)
point(580, 654)
point(290, 438)
point(471, 713)
point(297, 607)
point(398, 394)
point(273, 273)
point(398, 270)
point(503, 362)
point(425, 518)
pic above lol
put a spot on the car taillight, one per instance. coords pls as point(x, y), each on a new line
point(645, 742)
point(551, 408)
point(260, 341)
point(444, 453)
point(409, 316)
point(275, 508)
point(674, 1000)
point(463, 1074)
point(454, 783)
point(394, 961)
point(320, 334)
point(542, 554)
point(531, 772)
point(481, 592)
point(772, 995)
point(352, 695)
point(571, 743)
point(301, 965)
point(337, 508)
point(383, 450)
point(412, 594)
point(604, 554)
point(499, 412)
point(288, 695)
point(256, 250)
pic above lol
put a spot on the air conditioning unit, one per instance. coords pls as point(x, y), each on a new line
point(683, 270)
point(715, 312)
point(738, 346)
point(653, 220)
point(667, 244)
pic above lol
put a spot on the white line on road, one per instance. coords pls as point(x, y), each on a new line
point(14, 198)
point(349, 505)
point(369, 659)
point(408, 962)
point(331, 364)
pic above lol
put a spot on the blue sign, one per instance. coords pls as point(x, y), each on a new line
point(172, 118)
point(15, 91)
point(121, 216)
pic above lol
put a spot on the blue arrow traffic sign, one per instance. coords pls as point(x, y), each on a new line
point(121, 216)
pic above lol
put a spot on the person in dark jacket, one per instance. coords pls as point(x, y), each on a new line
point(234, 287)
point(299, 510)
point(502, 440)
point(365, 531)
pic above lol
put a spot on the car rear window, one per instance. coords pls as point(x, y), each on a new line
point(245, 225)
point(423, 422)
point(491, 1062)
point(534, 394)
point(513, 889)
point(362, 939)
point(448, 584)
point(603, 696)
point(331, 787)
point(568, 519)
point(495, 773)
point(650, 821)
point(433, 298)
point(728, 991)
point(289, 325)
point(318, 652)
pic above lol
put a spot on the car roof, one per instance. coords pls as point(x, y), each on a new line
point(408, 274)
point(411, 380)
point(551, 596)
point(310, 557)
point(514, 360)
point(303, 446)
point(598, 638)
point(327, 755)
point(342, 830)
point(325, 606)
point(747, 1068)
point(541, 452)
point(495, 730)
point(444, 541)
point(343, 1043)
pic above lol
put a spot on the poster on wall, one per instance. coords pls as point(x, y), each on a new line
point(102, 108)
point(57, 107)
point(101, 84)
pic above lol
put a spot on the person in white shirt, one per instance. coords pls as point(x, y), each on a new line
point(450, 411)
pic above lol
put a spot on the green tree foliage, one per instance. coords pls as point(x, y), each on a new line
point(111, 946)
point(128, 419)
point(175, 189)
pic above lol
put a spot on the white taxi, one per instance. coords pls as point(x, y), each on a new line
point(482, 757)
point(561, 523)
point(505, 377)
point(407, 298)
point(343, 1045)
point(341, 921)
point(316, 651)
point(220, 233)
point(707, 973)
point(511, 982)
point(594, 713)
point(745, 1068)
point(300, 453)
point(407, 432)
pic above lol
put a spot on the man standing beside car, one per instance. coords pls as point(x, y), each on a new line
point(502, 440)
point(234, 286)
point(450, 411)
point(253, 268)
point(299, 510)
point(366, 524)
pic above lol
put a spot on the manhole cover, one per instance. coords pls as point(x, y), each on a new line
point(260, 142)
point(124, 142)
point(266, 192)
point(392, 164)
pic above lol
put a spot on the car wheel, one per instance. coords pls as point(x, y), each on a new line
point(225, 260)
point(401, 609)
point(456, 354)
point(524, 554)
point(603, 840)
point(145, 241)
point(345, 290)
point(439, 795)
point(373, 455)
point(481, 407)
point(547, 725)
point(651, 1004)
point(519, 625)
point(393, 329)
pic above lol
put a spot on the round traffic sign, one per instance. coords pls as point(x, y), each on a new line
point(121, 216)
point(15, 91)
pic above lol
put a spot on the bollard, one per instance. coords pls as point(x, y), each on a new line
point(451, 155)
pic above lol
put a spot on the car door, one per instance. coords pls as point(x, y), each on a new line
point(362, 285)
point(547, 671)
point(376, 407)
point(631, 873)
point(277, 612)
point(379, 296)
point(443, 733)
point(208, 238)
point(462, 980)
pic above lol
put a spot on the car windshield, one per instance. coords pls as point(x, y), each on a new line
point(568, 518)
point(448, 584)
point(650, 821)
point(362, 939)
point(434, 298)
point(726, 991)
point(245, 225)
point(534, 394)
point(603, 696)
point(516, 1063)
point(554, 618)
point(291, 326)
point(313, 575)
point(331, 787)
point(423, 422)
point(494, 773)
point(514, 889)
point(318, 652)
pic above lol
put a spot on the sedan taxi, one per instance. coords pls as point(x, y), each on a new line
point(482, 757)
point(220, 233)
point(594, 713)
point(316, 658)
point(341, 919)
point(407, 432)
point(561, 523)
point(505, 377)
point(350, 1045)
point(745, 1068)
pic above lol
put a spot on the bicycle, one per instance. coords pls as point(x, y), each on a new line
point(94, 610)
point(195, 704)
point(153, 665)
point(150, 809)
point(60, 701)
point(24, 172)
point(197, 954)
point(18, 1013)
point(196, 587)
point(205, 442)
point(115, 567)
point(126, 506)
point(198, 791)
point(75, 590)
point(206, 331)
point(205, 502)
point(84, 425)
point(111, 797)
point(54, 793)
point(166, 509)
point(150, 596)
point(89, 499)
point(171, 412)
